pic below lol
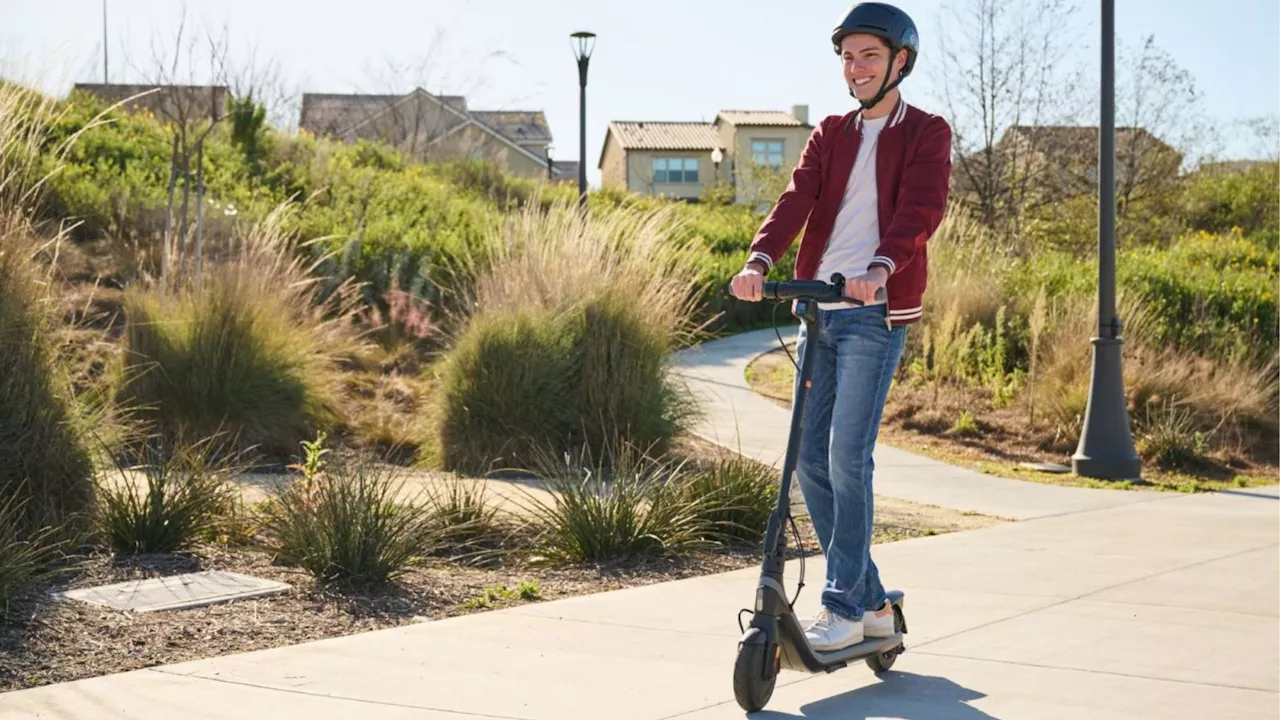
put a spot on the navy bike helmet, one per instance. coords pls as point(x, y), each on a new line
point(890, 24)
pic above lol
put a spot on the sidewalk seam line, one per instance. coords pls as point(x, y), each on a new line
point(1096, 672)
point(332, 696)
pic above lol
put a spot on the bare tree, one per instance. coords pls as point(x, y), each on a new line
point(1004, 67)
point(1159, 106)
point(418, 125)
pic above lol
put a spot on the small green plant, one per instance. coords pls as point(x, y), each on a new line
point(313, 461)
point(167, 502)
point(498, 594)
point(349, 526)
point(528, 590)
point(623, 505)
point(965, 426)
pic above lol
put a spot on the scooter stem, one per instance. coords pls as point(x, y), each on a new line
point(775, 534)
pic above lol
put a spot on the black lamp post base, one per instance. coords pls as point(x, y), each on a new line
point(1106, 447)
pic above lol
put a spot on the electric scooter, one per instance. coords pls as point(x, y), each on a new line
point(775, 639)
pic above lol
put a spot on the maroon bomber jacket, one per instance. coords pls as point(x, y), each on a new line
point(913, 172)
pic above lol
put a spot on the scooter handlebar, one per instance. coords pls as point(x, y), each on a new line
point(815, 290)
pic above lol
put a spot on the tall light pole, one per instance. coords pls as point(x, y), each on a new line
point(583, 44)
point(1106, 445)
point(106, 78)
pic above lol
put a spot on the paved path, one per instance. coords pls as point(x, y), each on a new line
point(734, 415)
point(1100, 604)
point(1165, 609)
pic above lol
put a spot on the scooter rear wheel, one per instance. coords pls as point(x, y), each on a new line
point(883, 661)
point(751, 688)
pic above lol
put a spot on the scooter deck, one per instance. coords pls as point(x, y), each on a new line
point(796, 654)
point(839, 658)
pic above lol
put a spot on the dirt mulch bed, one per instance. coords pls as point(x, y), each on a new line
point(48, 641)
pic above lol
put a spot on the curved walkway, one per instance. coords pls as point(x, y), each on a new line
point(737, 417)
point(1099, 604)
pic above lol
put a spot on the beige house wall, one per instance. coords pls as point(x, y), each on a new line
point(793, 142)
point(633, 169)
point(640, 173)
point(613, 165)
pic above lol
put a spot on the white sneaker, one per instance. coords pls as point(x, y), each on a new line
point(879, 623)
point(833, 632)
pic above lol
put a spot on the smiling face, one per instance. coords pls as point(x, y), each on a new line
point(866, 60)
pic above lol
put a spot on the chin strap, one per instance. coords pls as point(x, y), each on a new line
point(885, 87)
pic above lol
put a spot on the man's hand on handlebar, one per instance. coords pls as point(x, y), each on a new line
point(863, 287)
point(748, 284)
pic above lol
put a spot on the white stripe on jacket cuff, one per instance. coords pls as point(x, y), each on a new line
point(762, 257)
point(887, 261)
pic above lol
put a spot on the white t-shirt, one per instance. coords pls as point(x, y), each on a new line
point(856, 233)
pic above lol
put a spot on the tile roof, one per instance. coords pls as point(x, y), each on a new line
point(519, 125)
point(758, 117)
point(643, 135)
point(338, 112)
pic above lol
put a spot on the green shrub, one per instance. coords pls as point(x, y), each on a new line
point(620, 505)
point(1169, 437)
point(735, 496)
point(1214, 295)
point(252, 353)
point(348, 524)
point(565, 353)
point(171, 500)
point(1218, 201)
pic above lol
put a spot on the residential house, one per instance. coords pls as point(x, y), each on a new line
point(176, 103)
point(684, 159)
point(1061, 161)
point(431, 126)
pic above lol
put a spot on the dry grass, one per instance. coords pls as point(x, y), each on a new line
point(45, 429)
point(253, 349)
point(572, 319)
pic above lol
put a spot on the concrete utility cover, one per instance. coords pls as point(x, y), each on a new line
point(176, 592)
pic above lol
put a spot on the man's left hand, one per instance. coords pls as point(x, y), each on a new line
point(863, 287)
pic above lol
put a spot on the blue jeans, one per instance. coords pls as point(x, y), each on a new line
point(856, 356)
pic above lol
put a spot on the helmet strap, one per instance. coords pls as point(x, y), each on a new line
point(885, 86)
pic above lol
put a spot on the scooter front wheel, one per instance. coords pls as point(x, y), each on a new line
point(755, 673)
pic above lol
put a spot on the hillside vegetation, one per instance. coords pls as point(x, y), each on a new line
point(401, 248)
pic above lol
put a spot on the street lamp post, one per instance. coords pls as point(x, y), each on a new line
point(583, 44)
point(1106, 445)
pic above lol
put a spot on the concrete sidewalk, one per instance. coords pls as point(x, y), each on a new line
point(736, 417)
point(1164, 609)
point(1100, 604)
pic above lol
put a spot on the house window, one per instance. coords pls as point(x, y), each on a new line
point(675, 170)
point(767, 152)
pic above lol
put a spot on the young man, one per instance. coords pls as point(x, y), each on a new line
point(870, 189)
